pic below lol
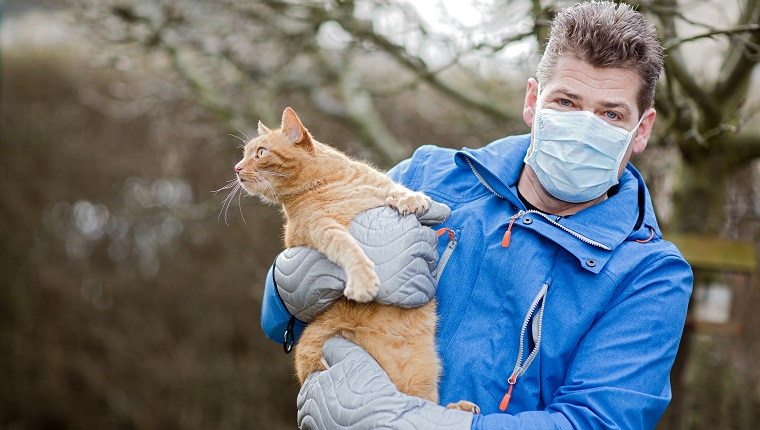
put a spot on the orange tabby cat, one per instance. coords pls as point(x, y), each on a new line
point(321, 190)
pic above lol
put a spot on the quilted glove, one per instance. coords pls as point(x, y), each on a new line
point(355, 393)
point(404, 252)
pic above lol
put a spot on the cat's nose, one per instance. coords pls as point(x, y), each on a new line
point(238, 168)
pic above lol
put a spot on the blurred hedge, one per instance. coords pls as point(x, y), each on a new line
point(124, 302)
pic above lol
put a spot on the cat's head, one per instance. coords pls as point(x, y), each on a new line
point(273, 161)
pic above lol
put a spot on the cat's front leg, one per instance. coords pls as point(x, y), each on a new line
point(407, 201)
point(464, 405)
point(334, 240)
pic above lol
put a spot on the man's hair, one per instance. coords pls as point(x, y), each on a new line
point(605, 35)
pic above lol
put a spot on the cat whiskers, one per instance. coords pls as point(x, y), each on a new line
point(231, 183)
point(241, 132)
point(235, 185)
point(245, 141)
point(240, 145)
point(240, 207)
point(259, 180)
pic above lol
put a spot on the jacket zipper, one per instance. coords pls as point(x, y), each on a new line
point(447, 252)
point(577, 235)
point(480, 178)
point(537, 308)
point(505, 241)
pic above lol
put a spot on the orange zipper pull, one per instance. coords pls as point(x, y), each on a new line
point(441, 231)
point(507, 397)
point(508, 235)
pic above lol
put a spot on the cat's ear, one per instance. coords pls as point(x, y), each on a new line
point(294, 131)
point(262, 129)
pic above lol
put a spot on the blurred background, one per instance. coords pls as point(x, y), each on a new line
point(130, 292)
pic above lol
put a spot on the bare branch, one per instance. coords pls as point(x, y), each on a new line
point(675, 69)
point(739, 61)
point(363, 115)
point(747, 28)
point(542, 16)
point(493, 49)
point(742, 149)
point(363, 31)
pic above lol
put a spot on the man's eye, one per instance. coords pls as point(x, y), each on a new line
point(612, 115)
point(261, 152)
point(565, 102)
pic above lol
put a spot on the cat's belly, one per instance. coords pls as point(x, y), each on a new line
point(401, 340)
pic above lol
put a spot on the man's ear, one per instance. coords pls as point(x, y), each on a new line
point(529, 107)
point(262, 129)
point(641, 138)
point(295, 133)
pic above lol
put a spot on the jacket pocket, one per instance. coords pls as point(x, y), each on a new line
point(529, 347)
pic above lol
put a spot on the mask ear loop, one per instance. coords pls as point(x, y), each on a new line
point(536, 109)
point(634, 129)
point(630, 141)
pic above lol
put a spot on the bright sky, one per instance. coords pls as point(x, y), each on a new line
point(463, 11)
point(469, 22)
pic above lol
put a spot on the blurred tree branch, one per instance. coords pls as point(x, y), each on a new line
point(707, 115)
point(240, 58)
point(285, 35)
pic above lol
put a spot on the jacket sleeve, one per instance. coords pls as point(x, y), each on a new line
point(618, 376)
point(401, 171)
point(274, 316)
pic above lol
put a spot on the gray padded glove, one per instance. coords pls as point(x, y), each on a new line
point(355, 393)
point(404, 252)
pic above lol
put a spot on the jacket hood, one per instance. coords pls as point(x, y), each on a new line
point(627, 214)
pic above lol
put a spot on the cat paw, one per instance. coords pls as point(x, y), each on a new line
point(464, 405)
point(362, 288)
point(409, 202)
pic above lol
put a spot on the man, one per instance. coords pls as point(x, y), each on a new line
point(561, 306)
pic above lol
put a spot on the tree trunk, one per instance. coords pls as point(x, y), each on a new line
point(700, 194)
point(699, 199)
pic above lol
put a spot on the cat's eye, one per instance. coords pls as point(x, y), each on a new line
point(261, 152)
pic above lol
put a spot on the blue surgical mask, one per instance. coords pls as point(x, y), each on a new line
point(576, 155)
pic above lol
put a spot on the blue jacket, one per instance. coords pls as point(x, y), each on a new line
point(582, 313)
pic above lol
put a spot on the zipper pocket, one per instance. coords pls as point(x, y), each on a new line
point(453, 242)
point(536, 311)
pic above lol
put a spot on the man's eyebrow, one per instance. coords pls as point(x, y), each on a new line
point(568, 94)
point(617, 105)
point(620, 105)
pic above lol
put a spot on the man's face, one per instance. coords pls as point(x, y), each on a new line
point(610, 93)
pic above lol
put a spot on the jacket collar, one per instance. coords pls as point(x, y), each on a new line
point(626, 215)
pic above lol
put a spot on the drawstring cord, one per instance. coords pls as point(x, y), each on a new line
point(508, 234)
